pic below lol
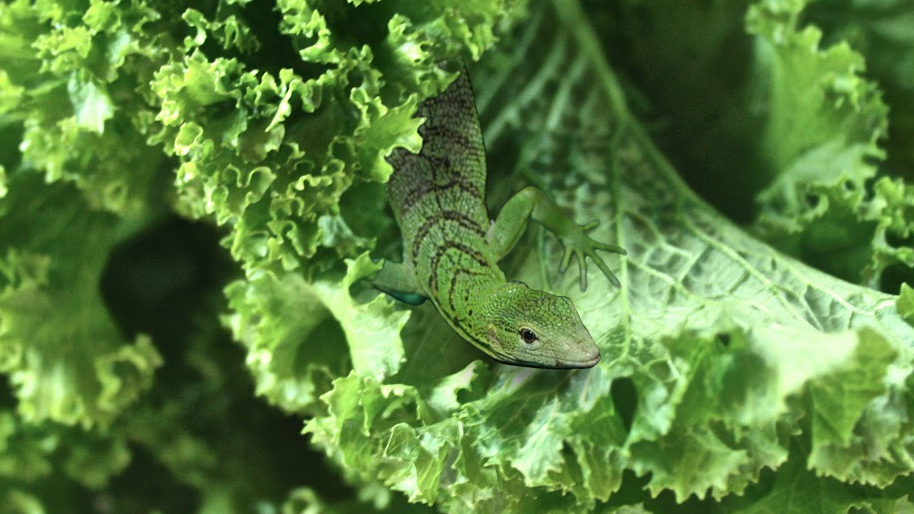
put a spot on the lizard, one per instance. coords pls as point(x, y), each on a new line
point(451, 248)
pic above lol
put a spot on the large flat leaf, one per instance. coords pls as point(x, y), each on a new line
point(732, 347)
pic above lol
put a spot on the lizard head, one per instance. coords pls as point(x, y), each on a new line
point(526, 327)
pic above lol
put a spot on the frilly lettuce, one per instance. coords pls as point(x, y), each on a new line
point(59, 346)
point(759, 367)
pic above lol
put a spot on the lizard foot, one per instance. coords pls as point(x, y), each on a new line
point(580, 246)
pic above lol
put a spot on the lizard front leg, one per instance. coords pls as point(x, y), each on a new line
point(531, 203)
point(397, 280)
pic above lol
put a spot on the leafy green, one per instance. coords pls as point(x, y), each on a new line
point(794, 110)
point(714, 390)
point(906, 303)
point(821, 132)
point(59, 346)
point(293, 342)
point(762, 367)
point(878, 30)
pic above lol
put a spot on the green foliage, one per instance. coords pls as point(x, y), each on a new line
point(189, 197)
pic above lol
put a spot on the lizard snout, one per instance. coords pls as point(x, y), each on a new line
point(578, 358)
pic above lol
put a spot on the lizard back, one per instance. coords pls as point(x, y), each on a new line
point(438, 199)
point(451, 164)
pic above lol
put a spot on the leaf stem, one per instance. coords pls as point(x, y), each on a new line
point(579, 27)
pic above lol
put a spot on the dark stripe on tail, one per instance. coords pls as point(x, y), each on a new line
point(450, 296)
point(424, 186)
point(446, 133)
point(444, 248)
point(449, 215)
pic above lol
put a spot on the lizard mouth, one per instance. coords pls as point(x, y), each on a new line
point(587, 362)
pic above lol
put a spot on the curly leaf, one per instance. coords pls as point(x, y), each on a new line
point(64, 355)
point(731, 346)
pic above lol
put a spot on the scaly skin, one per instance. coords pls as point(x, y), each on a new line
point(451, 249)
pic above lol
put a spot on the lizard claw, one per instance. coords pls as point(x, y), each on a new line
point(591, 225)
point(580, 246)
point(582, 266)
point(610, 248)
point(566, 260)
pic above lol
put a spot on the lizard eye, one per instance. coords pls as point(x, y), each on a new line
point(527, 335)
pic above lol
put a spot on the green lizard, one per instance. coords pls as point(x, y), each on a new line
point(451, 249)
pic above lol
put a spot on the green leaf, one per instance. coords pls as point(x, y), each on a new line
point(49, 453)
point(19, 502)
point(797, 490)
point(627, 509)
point(776, 100)
point(733, 375)
point(90, 104)
point(732, 347)
point(294, 331)
point(305, 500)
point(906, 303)
point(63, 353)
point(878, 30)
point(823, 120)
point(80, 101)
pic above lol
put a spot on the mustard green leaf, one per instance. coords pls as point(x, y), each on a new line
point(738, 374)
point(906, 303)
point(732, 348)
point(295, 330)
point(61, 349)
point(878, 31)
point(808, 98)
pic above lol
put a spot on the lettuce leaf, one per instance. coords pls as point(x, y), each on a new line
point(59, 346)
point(100, 103)
point(293, 343)
point(796, 489)
point(878, 31)
point(798, 111)
point(732, 348)
point(740, 371)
